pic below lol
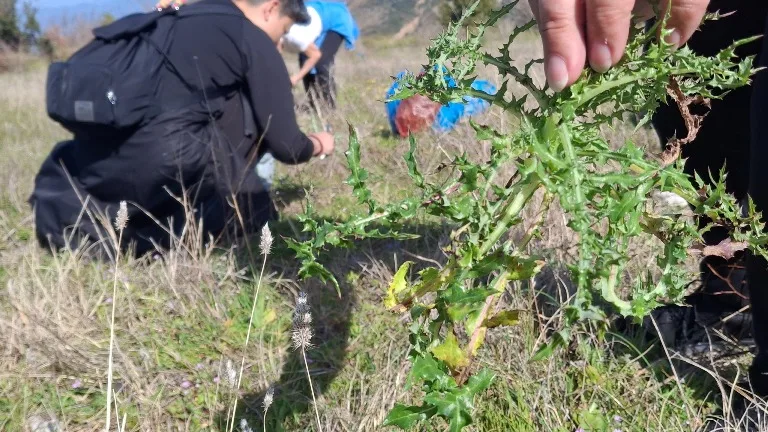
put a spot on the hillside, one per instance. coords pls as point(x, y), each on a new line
point(403, 17)
point(376, 17)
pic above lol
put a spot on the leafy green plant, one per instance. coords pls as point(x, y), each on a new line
point(611, 197)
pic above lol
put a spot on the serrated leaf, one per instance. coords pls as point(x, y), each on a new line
point(357, 174)
point(454, 406)
point(426, 368)
point(504, 318)
point(410, 161)
point(405, 417)
point(725, 249)
point(451, 353)
point(398, 285)
point(479, 382)
point(519, 268)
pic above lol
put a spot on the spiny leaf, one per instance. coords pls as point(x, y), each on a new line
point(451, 353)
point(410, 161)
point(479, 382)
point(358, 175)
point(405, 417)
point(726, 249)
point(398, 285)
point(504, 318)
point(426, 368)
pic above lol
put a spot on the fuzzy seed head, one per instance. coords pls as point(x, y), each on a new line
point(269, 397)
point(121, 221)
point(302, 338)
point(244, 426)
point(231, 374)
point(306, 319)
point(266, 240)
point(302, 300)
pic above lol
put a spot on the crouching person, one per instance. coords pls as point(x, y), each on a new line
point(170, 110)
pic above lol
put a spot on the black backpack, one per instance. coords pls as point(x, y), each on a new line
point(110, 85)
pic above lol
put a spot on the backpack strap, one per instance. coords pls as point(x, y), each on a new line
point(219, 9)
point(197, 94)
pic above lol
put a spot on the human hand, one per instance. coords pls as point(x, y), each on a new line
point(324, 143)
point(577, 31)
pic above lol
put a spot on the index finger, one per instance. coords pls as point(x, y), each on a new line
point(561, 24)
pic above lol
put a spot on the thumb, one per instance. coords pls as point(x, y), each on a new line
point(685, 18)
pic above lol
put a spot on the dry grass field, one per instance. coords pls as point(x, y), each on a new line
point(182, 320)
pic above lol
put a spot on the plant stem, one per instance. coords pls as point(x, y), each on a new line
point(247, 339)
point(570, 153)
point(610, 85)
point(311, 389)
point(112, 334)
point(510, 212)
point(546, 202)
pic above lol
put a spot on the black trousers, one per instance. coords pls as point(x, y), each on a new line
point(322, 83)
point(734, 135)
point(757, 267)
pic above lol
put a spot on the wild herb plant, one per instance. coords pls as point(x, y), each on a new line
point(610, 194)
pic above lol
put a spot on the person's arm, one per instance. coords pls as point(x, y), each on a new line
point(272, 101)
point(313, 54)
point(574, 31)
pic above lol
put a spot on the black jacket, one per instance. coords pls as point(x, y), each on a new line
point(206, 151)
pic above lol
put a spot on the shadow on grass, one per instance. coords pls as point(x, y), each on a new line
point(332, 318)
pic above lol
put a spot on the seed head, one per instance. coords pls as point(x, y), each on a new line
point(244, 426)
point(269, 397)
point(231, 374)
point(302, 338)
point(121, 221)
point(266, 240)
point(302, 323)
point(302, 300)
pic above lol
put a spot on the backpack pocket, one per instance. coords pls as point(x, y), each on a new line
point(79, 94)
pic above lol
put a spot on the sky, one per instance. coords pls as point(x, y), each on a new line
point(51, 11)
point(46, 4)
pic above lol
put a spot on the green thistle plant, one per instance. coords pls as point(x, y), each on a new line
point(611, 197)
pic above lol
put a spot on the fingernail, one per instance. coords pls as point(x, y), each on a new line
point(674, 39)
point(600, 58)
point(557, 73)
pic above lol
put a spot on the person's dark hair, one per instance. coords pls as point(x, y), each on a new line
point(293, 9)
point(296, 10)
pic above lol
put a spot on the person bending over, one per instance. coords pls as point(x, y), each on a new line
point(222, 99)
point(317, 42)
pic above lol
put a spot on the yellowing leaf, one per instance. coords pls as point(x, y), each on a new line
point(397, 286)
point(504, 318)
point(451, 353)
